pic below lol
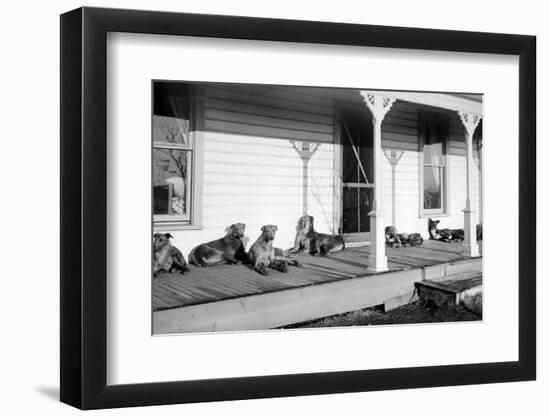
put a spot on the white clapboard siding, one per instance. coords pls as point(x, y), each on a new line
point(251, 171)
point(268, 112)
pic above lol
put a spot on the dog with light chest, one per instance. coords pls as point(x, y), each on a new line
point(263, 255)
point(307, 239)
point(226, 250)
point(446, 235)
point(167, 258)
point(402, 240)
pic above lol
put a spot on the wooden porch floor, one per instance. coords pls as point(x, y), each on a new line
point(223, 282)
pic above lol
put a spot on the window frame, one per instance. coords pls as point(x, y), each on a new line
point(426, 116)
point(164, 222)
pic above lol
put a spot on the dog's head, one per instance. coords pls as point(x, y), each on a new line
point(236, 230)
point(305, 223)
point(268, 231)
point(391, 232)
point(432, 224)
point(160, 240)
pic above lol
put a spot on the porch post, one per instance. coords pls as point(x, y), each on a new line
point(379, 106)
point(470, 122)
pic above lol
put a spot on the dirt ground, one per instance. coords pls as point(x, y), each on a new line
point(415, 312)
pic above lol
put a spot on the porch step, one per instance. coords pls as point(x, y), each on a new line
point(459, 288)
point(441, 273)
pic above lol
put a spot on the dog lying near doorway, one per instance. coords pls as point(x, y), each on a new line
point(307, 239)
point(166, 257)
point(226, 250)
point(446, 235)
point(402, 240)
point(263, 255)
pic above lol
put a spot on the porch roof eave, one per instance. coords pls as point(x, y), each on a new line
point(452, 102)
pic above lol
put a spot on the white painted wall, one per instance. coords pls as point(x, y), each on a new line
point(257, 181)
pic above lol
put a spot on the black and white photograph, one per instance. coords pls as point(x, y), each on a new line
point(293, 207)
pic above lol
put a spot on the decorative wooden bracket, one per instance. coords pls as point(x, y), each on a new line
point(393, 156)
point(378, 105)
point(470, 121)
point(305, 149)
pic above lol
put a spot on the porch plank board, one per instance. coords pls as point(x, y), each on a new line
point(191, 292)
point(222, 281)
point(323, 272)
point(158, 299)
point(429, 256)
point(173, 296)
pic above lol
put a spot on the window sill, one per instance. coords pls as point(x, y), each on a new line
point(175, 226)
point(433, 215)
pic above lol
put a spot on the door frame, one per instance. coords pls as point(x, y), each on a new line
point(351, 239)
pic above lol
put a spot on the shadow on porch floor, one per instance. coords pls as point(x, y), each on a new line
point(203, 285)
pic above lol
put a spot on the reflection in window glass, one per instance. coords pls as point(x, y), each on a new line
point(170, 130)
point(433, 153)
point(171, 190)
point(432, 187)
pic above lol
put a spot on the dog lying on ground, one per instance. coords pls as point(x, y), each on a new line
point(165, 256)
point(226, 250)
point(307, 239)
point(446, 235)
point(402, 240)
point(263, 255)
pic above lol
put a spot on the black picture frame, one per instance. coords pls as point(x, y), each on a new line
point(84, 207)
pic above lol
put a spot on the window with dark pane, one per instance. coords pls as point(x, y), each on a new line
point(172, 151)
point(433, 141)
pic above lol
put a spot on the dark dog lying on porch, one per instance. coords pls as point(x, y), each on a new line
point(446, 235)
point(402, 240)
point(165, 256)
point(307, 239)
point(226, 250)
point(263, 255)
